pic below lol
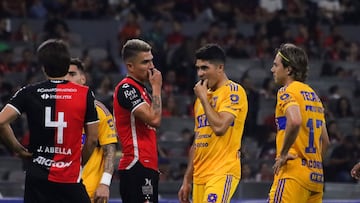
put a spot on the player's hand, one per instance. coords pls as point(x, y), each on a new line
point(102, 194)
point(184, 193)
point(22, 152)
point(280, 161)
point(355, 171)
point(201, 89)
point(155, 77)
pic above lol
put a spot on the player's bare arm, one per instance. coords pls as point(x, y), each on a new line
point(102, 193)
point(293, 122)
point(155, 79)
point(156, 104)
point(7, 115)
point(219, 121)
point(109, 154)
point(325, 140)
point(185, 189)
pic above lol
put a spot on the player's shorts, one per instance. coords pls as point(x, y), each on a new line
point(139, 184)
point(289, 191)
point(216, 190)
point(43, 191)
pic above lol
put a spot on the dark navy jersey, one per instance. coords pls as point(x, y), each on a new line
point(138, 139)
point(56, 112)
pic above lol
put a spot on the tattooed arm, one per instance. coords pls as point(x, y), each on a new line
point(152, 114)
point(109, 155)
point(102, 193)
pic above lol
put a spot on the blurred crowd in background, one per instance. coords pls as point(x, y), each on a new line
point(315, 25)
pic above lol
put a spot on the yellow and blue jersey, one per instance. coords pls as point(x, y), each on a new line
point(94, 168)
point(307, 168)
point(219, 155)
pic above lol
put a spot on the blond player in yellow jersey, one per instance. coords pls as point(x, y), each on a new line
point(302, 138)
point(220, 112)
point(98, 171)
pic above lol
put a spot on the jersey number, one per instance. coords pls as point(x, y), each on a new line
point(310, 125)
point(60, 124)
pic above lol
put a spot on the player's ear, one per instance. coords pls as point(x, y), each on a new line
point(130, 67)
point(83, 79)
point(221, 67)
point(290, 70)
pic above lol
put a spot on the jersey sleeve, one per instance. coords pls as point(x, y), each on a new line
point(129, 97)
point(107, 132)
point(18, 100)
point(91, 114)
point(285, 99)
point(232, 100)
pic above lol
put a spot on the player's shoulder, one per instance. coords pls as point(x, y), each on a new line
point(233, 86)
point(77, 86)
point(101, 108)
point(128, 83)
point(39, 87)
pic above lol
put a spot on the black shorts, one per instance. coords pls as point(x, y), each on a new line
point(42, 191)
point(139, 184)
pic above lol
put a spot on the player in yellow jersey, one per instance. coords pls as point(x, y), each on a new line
point(98, 170)
point(220, 112)
point(302, 138)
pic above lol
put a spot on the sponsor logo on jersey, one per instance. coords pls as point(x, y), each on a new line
point(212, 197)
point(51, 163)
point(130, 94)
point(284, 96)
point(43, 90)
point(52, 96)
point(317, 177)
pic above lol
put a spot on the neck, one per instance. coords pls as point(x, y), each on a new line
point(220, 83)
point(289, 81)
point(135, 78)
point(56, 78)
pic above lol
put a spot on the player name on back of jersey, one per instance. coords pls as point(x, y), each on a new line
point(54, 150)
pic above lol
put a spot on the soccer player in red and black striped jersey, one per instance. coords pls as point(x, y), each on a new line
point(99, 169)
point(137, 114)
point(57, 111)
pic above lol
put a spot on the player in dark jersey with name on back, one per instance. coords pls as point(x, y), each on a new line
point(57, 110)
point(137, 114)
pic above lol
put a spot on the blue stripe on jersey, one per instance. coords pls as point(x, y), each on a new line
point(234, 87)
point(227, 188)
point(279, 191)
point(281, 122)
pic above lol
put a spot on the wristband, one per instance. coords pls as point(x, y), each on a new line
point(106, 179)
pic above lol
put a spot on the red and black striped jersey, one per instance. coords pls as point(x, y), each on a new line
point(56, 111)
point(138, 139)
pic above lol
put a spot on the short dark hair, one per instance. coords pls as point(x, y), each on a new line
point(54, 56)
point(132, 47)
point(212, 53)
point(78, 63)
point(295, 57)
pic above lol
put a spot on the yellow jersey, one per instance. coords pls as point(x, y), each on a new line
point(94, 168)
point(307, 168)
point(219, 155)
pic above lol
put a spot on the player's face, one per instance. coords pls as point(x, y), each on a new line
point(139, 66)
point(210, 71)
point(75, 75)
point(280, 73)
